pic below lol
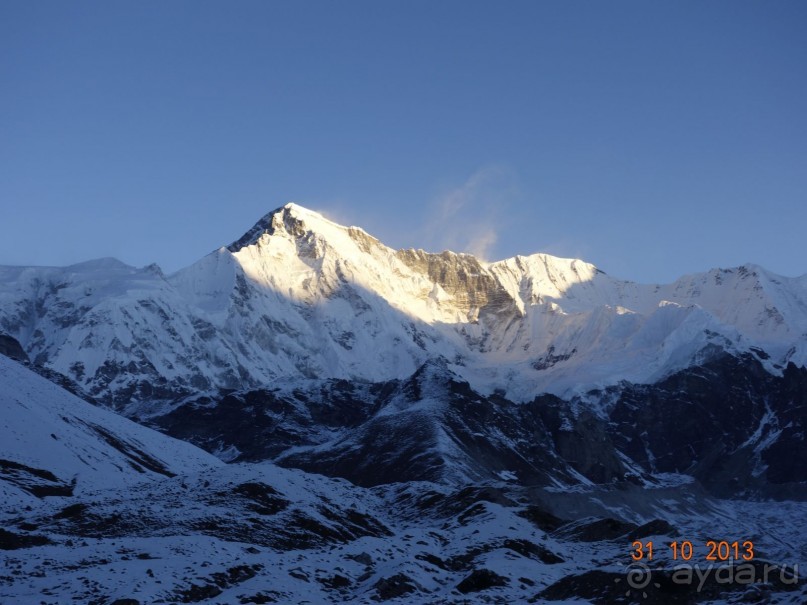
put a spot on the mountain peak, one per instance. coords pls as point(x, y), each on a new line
point(293, 219)
point(298, 210)
point(284, 217)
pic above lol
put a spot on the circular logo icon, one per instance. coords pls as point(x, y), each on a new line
point(637, 577)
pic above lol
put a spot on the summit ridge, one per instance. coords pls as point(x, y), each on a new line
point(300, 295)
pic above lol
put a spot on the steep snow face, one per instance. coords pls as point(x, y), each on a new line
point(54, 444)
point(301, 296)
point(119, 332)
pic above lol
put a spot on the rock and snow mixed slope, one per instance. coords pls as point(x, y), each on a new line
point(185, 528)
point(259, 534)
point(728, 422)
point(300, 296)
point(55, 444)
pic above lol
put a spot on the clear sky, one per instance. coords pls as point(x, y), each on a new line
point(653, 139)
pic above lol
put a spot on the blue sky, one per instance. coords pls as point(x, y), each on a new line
point(653, 139)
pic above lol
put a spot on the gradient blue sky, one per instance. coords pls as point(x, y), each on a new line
point(650, 138)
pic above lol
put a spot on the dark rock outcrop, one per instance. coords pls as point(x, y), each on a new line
point(10, 347)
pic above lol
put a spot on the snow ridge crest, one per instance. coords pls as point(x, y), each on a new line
point(299, 295)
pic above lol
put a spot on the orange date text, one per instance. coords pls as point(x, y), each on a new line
point(716, 550)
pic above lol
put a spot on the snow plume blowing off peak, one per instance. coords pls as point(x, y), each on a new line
point(468, 217)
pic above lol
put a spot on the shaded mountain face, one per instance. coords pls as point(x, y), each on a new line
point(431, 426)
point(299, 297)
point(729, 423)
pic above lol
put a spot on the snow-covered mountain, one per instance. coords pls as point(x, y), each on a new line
point(394, 425)
point(301, 297)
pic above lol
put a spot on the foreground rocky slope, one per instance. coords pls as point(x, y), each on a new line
point(55, 444)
